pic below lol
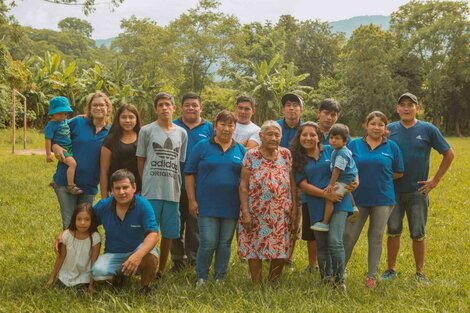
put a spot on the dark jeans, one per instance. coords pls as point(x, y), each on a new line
point(330, 249)
point(188, 242)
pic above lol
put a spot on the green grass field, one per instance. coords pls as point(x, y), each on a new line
point(30, 218)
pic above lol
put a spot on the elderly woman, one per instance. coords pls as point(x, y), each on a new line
point(267, 195)
point(87, 133)
point(212, 181)
point(312, 170)
point(379, 162)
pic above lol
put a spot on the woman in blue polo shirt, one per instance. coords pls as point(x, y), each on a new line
point(312, 170)
point(212, 181)
point(379, 162)
point(87, 133)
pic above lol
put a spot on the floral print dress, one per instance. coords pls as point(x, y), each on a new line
point(270, 207)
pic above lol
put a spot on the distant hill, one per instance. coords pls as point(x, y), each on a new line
point(104, 42)
point(344, 26)
point(349, 25)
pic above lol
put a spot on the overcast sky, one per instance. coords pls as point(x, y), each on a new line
point(41, 14)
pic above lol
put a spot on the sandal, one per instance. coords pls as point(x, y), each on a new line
point(74, 190)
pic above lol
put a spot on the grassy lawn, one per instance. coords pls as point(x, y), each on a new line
point(30, 219)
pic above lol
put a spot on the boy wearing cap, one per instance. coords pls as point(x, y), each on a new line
point(57, 132)
point(415, 139)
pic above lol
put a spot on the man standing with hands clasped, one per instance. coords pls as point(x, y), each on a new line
point(415, 139)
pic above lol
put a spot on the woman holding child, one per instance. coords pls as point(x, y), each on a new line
point(87, 134)
point(267, 195)
point(379, 161)
point(312, 170)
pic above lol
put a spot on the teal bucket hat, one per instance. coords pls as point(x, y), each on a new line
point(58, 105)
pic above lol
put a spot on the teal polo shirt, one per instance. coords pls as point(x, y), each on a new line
point(217, 178)
point(86, 147)
point(318, 174)
point(126, 235)
point(376, 168)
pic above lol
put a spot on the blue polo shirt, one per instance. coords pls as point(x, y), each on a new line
point(86, 147)
point(217, 178)
point(317, 173)
point(126, 235)
point(288, 133)
point(415, 144)
point(376, 168)
point(205, 130)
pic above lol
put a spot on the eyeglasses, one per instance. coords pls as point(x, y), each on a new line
point(98, 106)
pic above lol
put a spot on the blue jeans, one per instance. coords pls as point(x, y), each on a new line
point(68, 202)
point(330, 249)
point(216, 235)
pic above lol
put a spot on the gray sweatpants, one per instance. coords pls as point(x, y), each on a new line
point(378, 220)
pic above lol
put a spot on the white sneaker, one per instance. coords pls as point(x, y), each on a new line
point(200, 282)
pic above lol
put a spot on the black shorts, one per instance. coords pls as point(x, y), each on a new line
point(307, 233)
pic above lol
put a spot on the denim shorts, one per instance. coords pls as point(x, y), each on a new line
point(415, 205)
point(109, 264)
point(167, 214)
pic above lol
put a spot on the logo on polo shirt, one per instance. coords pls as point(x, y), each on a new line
point(419, 137)
point(236, 157)
point(136, 226)
point(202, 135)
point(386, 154)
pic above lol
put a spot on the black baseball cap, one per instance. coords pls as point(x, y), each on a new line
point(290, 96)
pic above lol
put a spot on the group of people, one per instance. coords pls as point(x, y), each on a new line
point(199, 183)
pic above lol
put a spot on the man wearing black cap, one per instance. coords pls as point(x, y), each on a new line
point(415, 139)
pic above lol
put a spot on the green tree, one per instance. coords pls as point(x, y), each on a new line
point(76, 25)
point(366, 72)
point(435, 34)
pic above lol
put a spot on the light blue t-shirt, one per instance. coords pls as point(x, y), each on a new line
point(415, 144)
point(342, 159)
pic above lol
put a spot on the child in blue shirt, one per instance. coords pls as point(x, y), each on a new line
point(343, 173)
point(57, 132)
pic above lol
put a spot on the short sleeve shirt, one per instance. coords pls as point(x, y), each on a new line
point(164, 151)
point(58, 132)
point(318, 174)
point(217, 178)
point(376, 168)
point(288, 133)
point(205, 130)
point(342, 159)
point(247, 132)
point(123, 157)
point(124, 236)
point(415, 144)
point(76, 267)
point(86, 147)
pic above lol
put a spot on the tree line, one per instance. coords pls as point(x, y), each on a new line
point(426, 51)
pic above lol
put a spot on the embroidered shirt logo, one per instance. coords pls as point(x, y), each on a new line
point(202, 135)
point(136, 226)
point(419, 137)
point(236, 157)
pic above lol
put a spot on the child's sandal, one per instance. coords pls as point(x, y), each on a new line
point(74, 190)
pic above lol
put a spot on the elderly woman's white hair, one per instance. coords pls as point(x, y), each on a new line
point(269, 124)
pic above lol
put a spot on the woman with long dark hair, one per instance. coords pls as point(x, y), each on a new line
point(119, 147)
